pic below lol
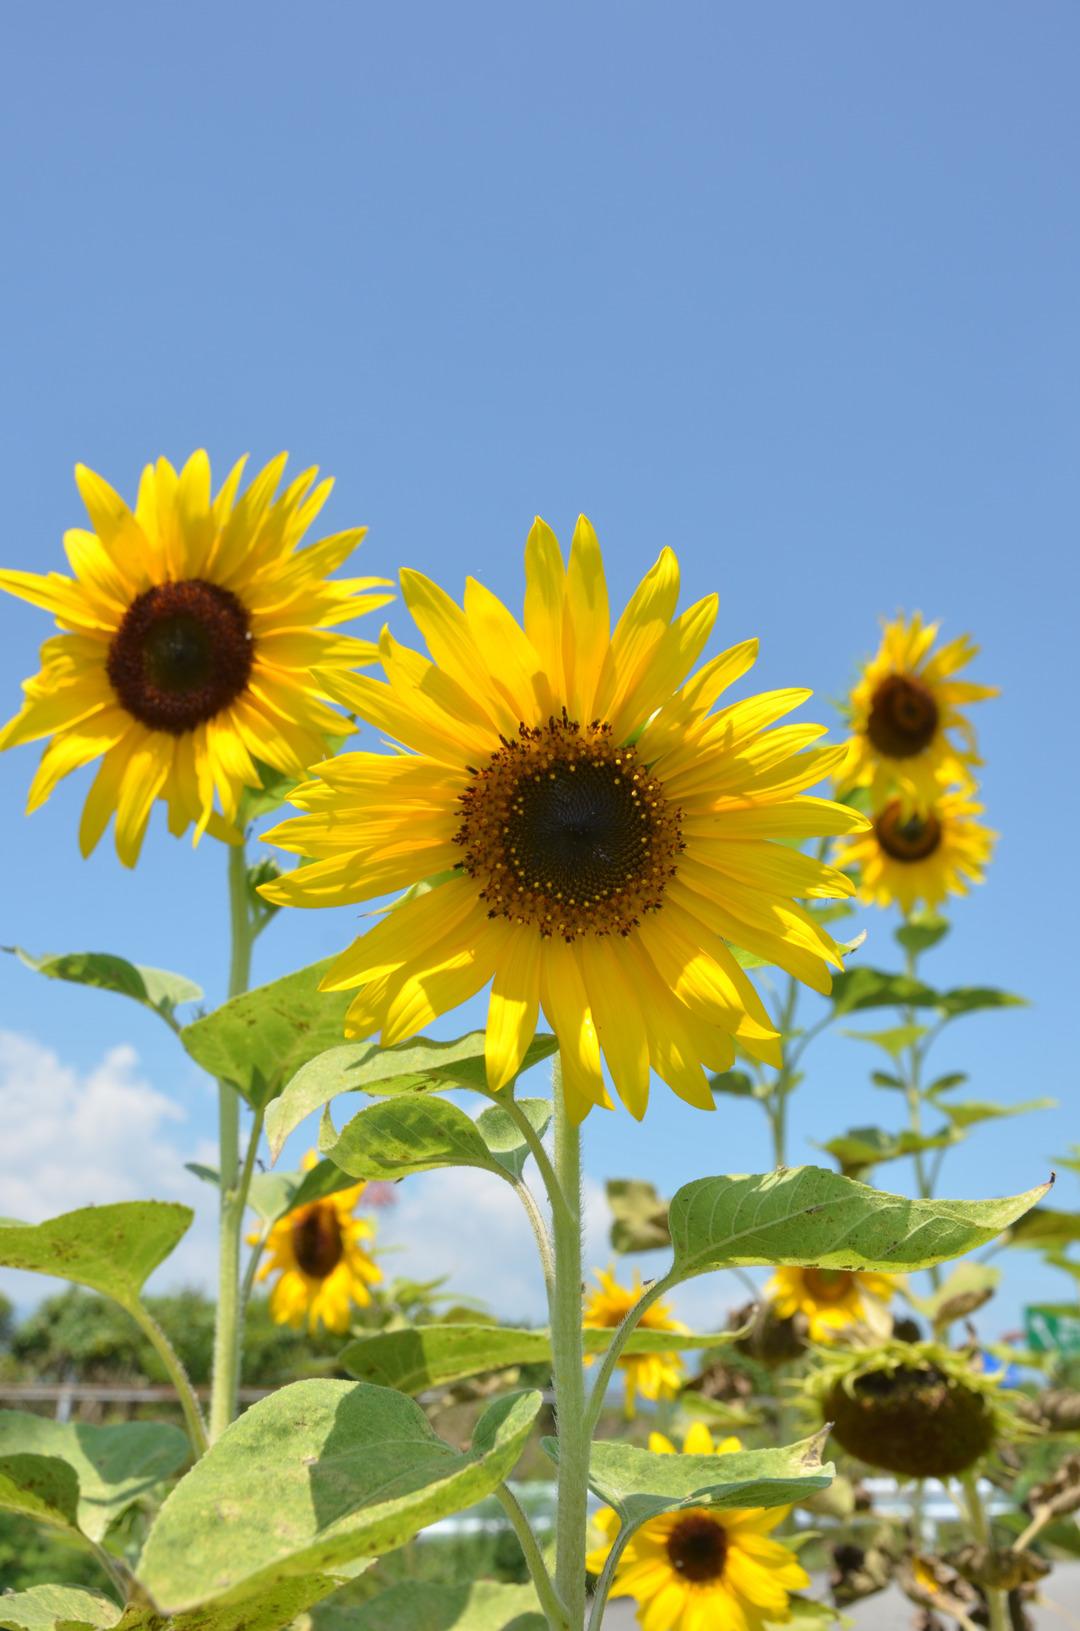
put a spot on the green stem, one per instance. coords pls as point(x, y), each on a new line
point(913, 1093)
point(779, 1096)
point(996, 1601)
point(233, 1184)
point(550, 1601)
point(569, 1367)
point(178, 1376)
point(540, 1230)
point(618, 1342)
point(606, 1580)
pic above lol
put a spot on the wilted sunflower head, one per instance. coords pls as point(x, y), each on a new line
point(914, 857)
point(190, 628)
point(654, 1376)
point(917, 1409)
point(909, 736)
point(604, 836)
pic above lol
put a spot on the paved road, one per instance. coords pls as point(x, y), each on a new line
point(891, 1611)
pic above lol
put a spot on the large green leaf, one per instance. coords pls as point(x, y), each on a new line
point(864, 987)
point(862, 1147)
point(418, 1066)
point(969, 1112)
point(434, 1355)
point(641, 1485)
point(113, 1465)
point(259, 1040)
point(44, 1608)
point(41, 1487)
point(155, 988)
point(113, 1249)
point(398, 1136)
point(313, 1477)
point(428, 1605)
point(807, 1215)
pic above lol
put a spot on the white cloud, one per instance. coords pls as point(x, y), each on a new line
point(73, 1139)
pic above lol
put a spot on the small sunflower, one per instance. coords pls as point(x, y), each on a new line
point(654, 1376)
point(703, 1568)
point(909, 857)
point(905, 712)
point(831, 1300)
point(189, 632)
point(608, 837)
point(325, 1268)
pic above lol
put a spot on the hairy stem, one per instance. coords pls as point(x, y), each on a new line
point(178, 1376)
point(569, 1367)
point(545, 1587)
point(618, 1342)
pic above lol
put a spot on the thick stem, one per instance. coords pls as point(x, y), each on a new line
point(534, 1557)
point(233, 1190)
point(996, 1601)
point(569, 1368)
point(178, 1376)
point(913, 1093)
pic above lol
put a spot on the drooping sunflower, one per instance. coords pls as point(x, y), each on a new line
point(325, 1268)
point(909, 736)
point(702, 1568)
point(832, 1300)
point(606, 837)
point(910, 856)
point(654, 1376)
point(189, 631)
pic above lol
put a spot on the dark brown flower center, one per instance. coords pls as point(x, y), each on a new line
point(567, 831)
point(827, 1285)
point(907, 838)
point(317, 1243)
point(903, 717)
point(697, 1548)
point(182, 653)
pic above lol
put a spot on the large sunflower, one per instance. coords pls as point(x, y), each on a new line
point(911, 857)
point(905, 714)
point(654, 1376)
point(320, 1252)
point(605, 837)
point(190, 629)
point(703, 1568)
point(831, 1300)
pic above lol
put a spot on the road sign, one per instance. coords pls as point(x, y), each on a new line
point(1053, 1328)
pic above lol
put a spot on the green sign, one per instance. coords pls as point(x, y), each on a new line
point(1053, 1328)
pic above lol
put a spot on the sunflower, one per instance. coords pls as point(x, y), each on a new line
point(830, 1299)
point(325, 1269)
point(908, 857)
point(190, 629)
point(605, 837)
point(654, 1376)
point(905, 712)
point(703, 1568)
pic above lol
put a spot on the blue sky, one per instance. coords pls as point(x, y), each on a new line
point(792, 289)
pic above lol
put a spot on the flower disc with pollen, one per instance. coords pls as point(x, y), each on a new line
point(914, 857)
point(601, 832)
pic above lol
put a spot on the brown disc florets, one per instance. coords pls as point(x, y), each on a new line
point(317, 1243)
point(913, 1420)
point(907, 837)
point(903, 717)
point(182, 653)
point(697, 1548)
point(568, 831)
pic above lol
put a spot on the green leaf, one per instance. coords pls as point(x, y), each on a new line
point(425, 1356)
point(113, 1249)
point(44, 1608)
point(428, 1605)
point(945, 1084)
point(965, 1289)
point(922, 931)
point(739, 1084)
point(398, 1136)
point(641, 1485)
point(155, 988)
point(418, 1066)
point(113, 1466)
point(881, 1078)
point(972, 999)
point(503, 1137)
point(1045, 1228)
point(259, 1040)
point(354, 1471)
point(971, 1111)
point(895, 1041)
point(641, 1216)
point(809, 1216)
point(40, 1487)
point(862, 987)
point(862, 1147)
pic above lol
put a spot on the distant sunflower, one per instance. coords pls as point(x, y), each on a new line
point(910, 857)
point(654, 1376)
point(830, 1299)
point(905, 713)
point(704, 1568)
point(325, 1268)
point(607, 837)
point(190, 629)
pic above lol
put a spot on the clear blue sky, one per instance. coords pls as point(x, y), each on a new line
point(790, 288)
